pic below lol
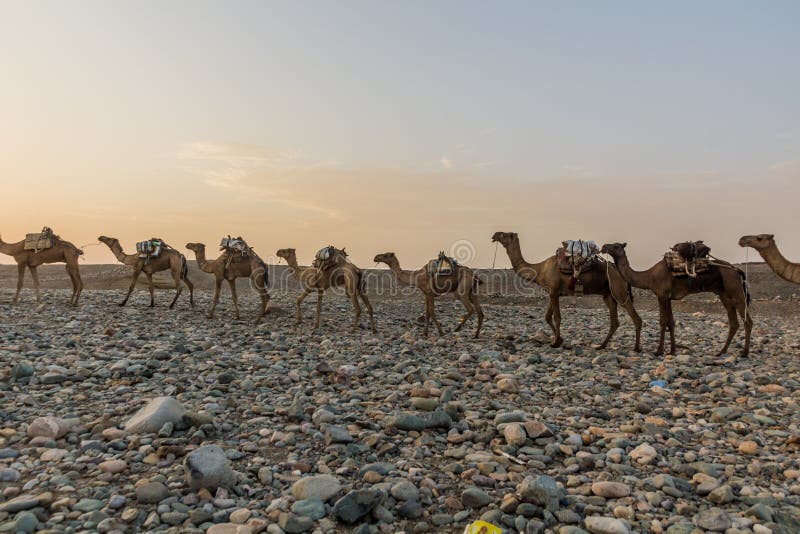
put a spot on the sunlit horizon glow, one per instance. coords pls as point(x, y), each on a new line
point(401, 127)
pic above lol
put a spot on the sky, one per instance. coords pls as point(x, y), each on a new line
point(410, 127)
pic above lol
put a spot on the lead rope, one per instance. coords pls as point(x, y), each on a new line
point(495, 254)
point(611, 288)
point(744, 284)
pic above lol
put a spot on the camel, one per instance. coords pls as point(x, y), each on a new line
point(463, 282)
point(766, 247)
point(603, 279)
point(61, 252)
point(169, 259)
point(722, 279)
point(341, 273)
point(229, 266)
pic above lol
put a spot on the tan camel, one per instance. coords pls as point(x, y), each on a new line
point(341, 273)
point(463, 282)
point(229, 266)
point(61, 252)
point(169, 259)
point(722, 279)
point(765, 245)
point(603, 279)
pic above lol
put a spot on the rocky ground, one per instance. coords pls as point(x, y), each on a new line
point(133, 420)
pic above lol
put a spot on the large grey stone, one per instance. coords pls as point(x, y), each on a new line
point(208, 467)
point(154, 415)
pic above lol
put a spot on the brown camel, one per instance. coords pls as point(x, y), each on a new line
point(463, 282)
point(229, 266)
point(169, 259)
point(340, 273)
point(765, 245)
point(61, 252)
point(721, 278)
point(602, 279)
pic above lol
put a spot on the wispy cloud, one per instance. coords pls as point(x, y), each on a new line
point(254, 169)
point(446, 163)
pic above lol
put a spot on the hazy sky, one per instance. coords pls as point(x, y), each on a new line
point(403, 126)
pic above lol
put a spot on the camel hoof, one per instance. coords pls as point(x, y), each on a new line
point(637, 349)
point(209, 316)
point(557, 343)
point(121, 304)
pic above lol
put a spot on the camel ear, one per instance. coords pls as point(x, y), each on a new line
point(770, 236)
point(624, 245)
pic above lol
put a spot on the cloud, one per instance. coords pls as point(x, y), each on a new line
point(257, 171)
point(446, 163)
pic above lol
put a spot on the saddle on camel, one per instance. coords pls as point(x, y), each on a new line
point(41, 241)
point(150, 249)
point(236, 249)
point(575, 257)
point(329, 256)
point(443, 265)
point(688, 258)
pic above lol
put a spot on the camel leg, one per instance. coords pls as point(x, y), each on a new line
point(367, 305)
point(190, 285)
point(356, 308)
point(434, 319)
point(215, 298)
point(662, 324)
point(554, 320)
point(235, 297)
point(637, 323)
point(76, 272)
point(733, 323)
point(134, 278)
point(299, 301)
point(35, 277)
point(73, 276)
point(748, 326)
point(428, 305)
point(151, 289)
point(464, 298)
point(20, 279)
point(319, 309)
point(262, 293)
point(611, 303)
point(671, 326)
point(476, 303)
point(178, 287)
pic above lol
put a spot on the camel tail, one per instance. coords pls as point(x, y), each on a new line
point(265, 275)
point(362, 282)
point(745, 286)
point(184, 267)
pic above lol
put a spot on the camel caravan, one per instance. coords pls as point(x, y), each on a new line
point(577, 268)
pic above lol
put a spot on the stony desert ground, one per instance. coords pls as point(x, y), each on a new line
point(136, 419)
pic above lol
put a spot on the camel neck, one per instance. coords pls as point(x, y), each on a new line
point(116, 249)
point(403, 277)
point(778, 263)
point(635, 278)
point(11, 248)
point(518, 263)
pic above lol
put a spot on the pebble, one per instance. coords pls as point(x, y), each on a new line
point(162, 420)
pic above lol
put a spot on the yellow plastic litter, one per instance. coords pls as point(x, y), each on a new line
point(482, 527)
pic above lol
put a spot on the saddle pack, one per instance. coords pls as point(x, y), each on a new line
point(688, 258)
point(576, 257)
point(328, 256)
point(41, 241)
point(234, 244)
point(149, 249)
point(443, 265)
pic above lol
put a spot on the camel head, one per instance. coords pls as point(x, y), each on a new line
point(286, 253)
point(386, 257)
point(615, 250)
point(504, 238)
point(194, 247)
point(758, 242)
point(108, 240)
